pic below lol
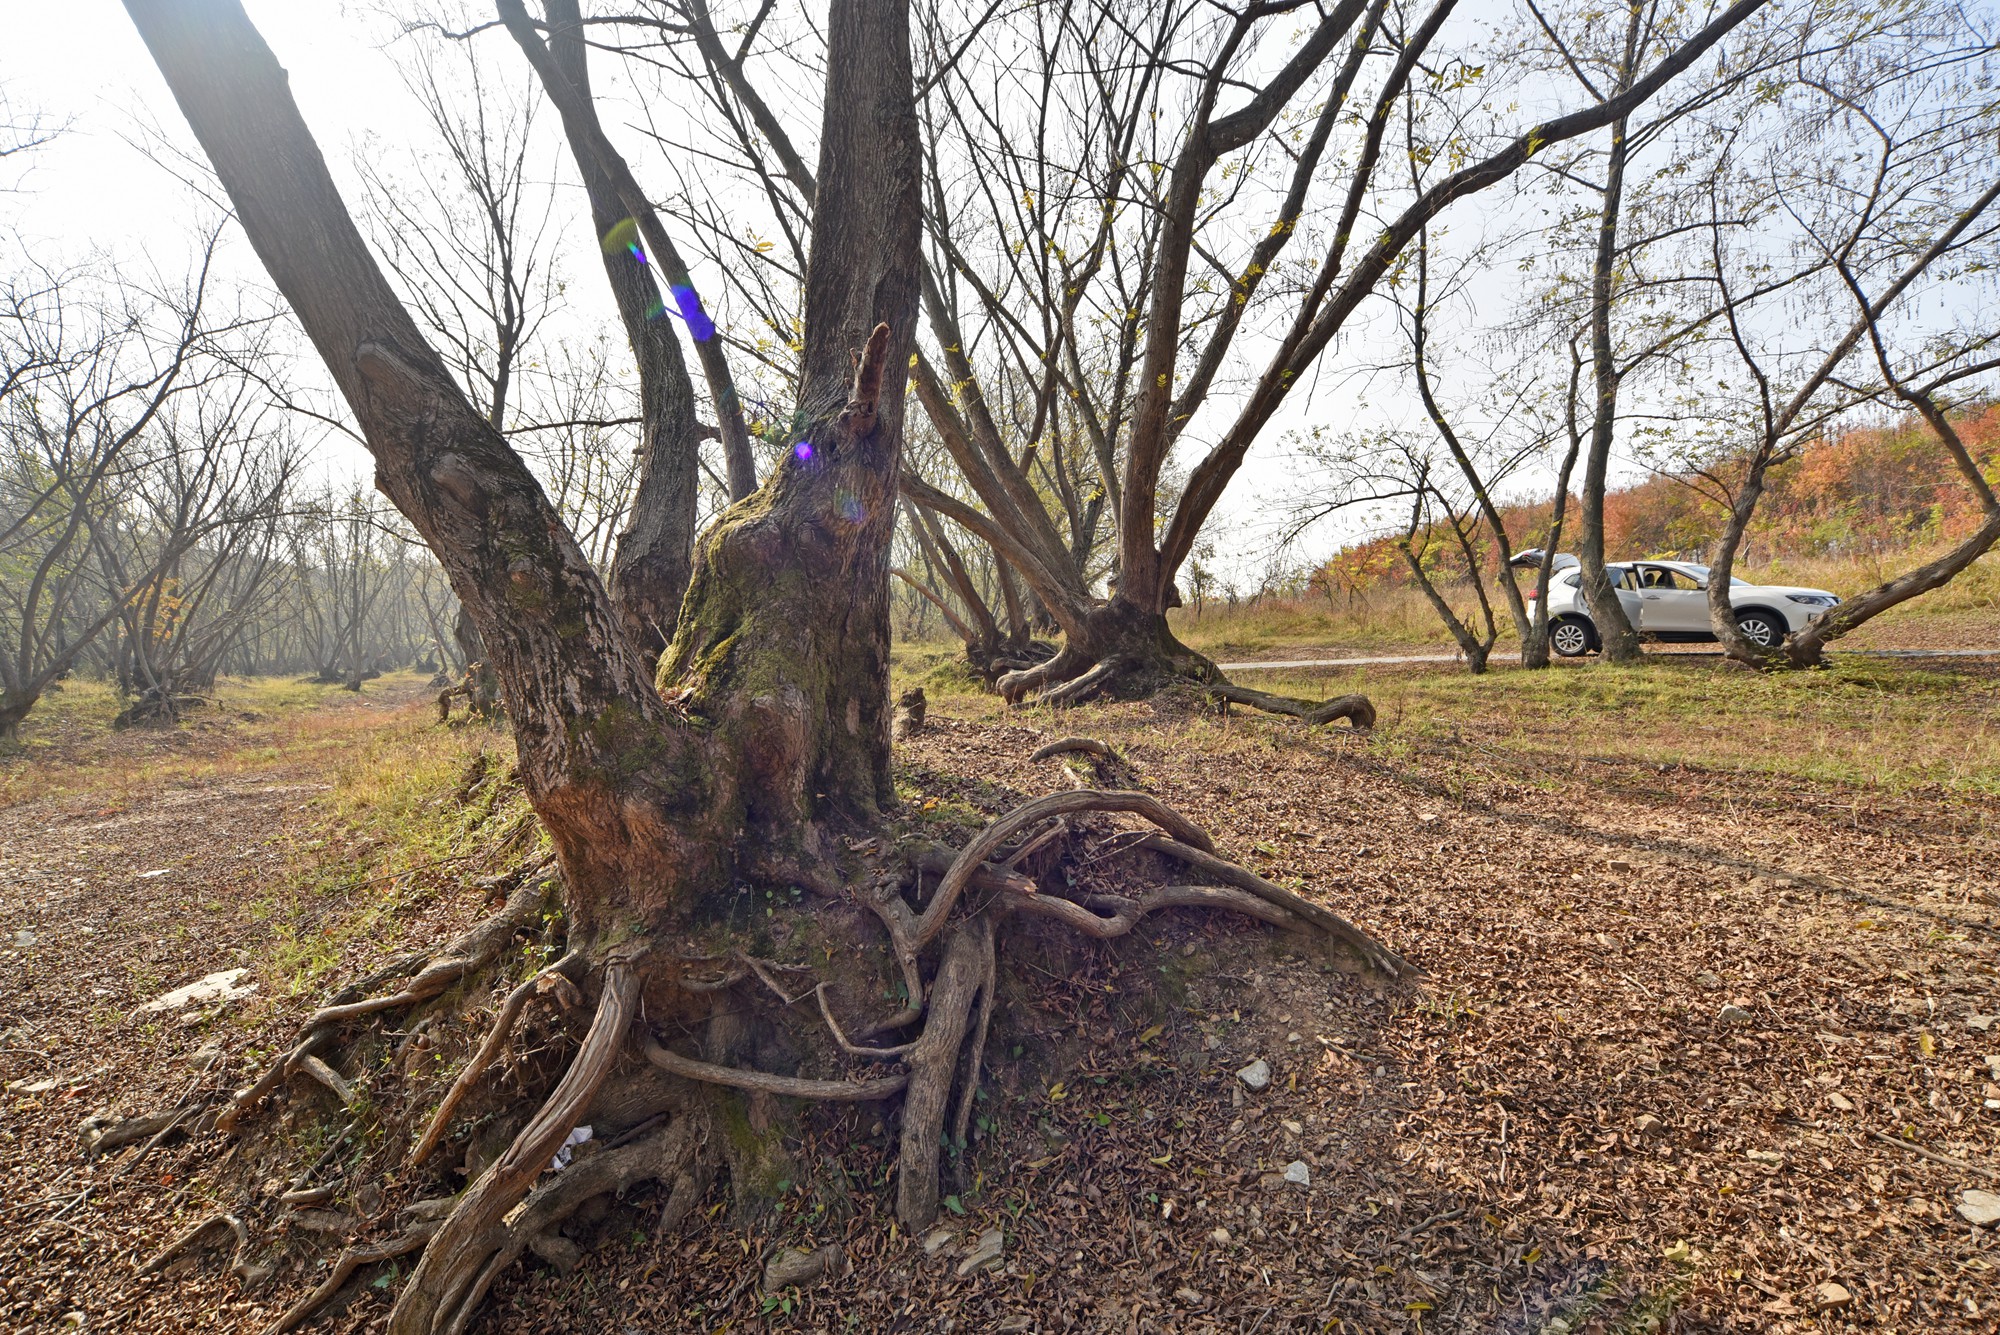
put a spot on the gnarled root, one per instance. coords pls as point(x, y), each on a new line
point(1107, 769)
point(1080, 688)
point(350, 1261)
point(489, 1050)
point(988, 841)
point(664, 1149)
point(459, 1264)
point(1356, 709)
point(763, 1082)
point(1067, 665)
point(965, 974)
point(239, 1264)
point(1372, 952)
point(472, 951)
point(1069, 745)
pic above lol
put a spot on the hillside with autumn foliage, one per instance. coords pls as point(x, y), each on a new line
point(1867, 495)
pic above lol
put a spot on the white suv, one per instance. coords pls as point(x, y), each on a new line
point(1668, 600)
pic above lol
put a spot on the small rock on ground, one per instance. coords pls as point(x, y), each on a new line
point(1979, 1207)
point(790, 1268)
point(1256, 1076)
point(985, 1253)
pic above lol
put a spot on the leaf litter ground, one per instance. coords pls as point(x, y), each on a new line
point(1694, 1050)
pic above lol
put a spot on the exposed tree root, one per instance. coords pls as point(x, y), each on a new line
point(762, 1082)
point(665, 1150)
point(1072, 744)
point(966, 972)
point(343, 1269)
point(239, 1264)
point(1144, 659)
point(489, 1050)
point(1082, 687)
point(1067, 665)
point(1356, 709)
point(1105, 917)
point(326, 1075)
point(473, 950)
point(517, 1205)
point(988, 841)
point(1372, 952)
point(448, 1283)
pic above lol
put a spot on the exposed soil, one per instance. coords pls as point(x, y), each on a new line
point(1560, 1128)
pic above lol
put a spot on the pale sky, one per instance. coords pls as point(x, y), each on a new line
point(92, 191)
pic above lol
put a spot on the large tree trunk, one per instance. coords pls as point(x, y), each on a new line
point(779, 668)
point(765, 732)
point(13, 709)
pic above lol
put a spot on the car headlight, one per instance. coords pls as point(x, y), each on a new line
point(1814, 599)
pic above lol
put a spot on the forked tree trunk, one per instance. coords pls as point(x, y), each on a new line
point(781, 659)
point(767, 729)
point(778, 724)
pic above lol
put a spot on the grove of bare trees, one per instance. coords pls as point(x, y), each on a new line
point(1001, 303)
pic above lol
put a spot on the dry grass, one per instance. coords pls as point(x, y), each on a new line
point(1869, 723)
point(1964, 613)
point(1872, 725)
point(69, 746)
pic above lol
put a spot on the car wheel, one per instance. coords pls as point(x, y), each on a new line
point(1570, 639)
point(1761, 629)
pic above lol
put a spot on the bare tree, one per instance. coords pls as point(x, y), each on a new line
point(760, 750)
point(1140, 237)
point(1884, 217)
point(191, 551)
point(88, 384)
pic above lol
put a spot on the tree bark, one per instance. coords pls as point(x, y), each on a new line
point(649, 572)
point(1615, 635)
point(782, 656)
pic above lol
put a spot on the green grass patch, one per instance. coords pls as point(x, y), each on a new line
point(1875, 724)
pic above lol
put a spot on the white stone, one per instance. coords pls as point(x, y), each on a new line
point(224, 986)
point(1256, 1076)
point(1979, 1207)
point(1298, 1174)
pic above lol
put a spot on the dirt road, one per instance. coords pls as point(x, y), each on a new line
point(1384, 660)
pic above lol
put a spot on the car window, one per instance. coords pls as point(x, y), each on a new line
point(1569, 579)
point(1659, 577)
point(1621, 577)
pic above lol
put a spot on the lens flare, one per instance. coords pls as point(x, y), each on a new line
point(624, 235)
point(697, 319)
point(803, 452)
